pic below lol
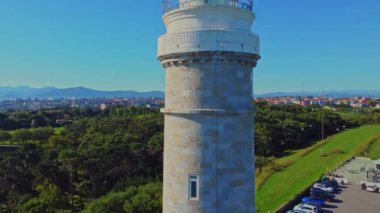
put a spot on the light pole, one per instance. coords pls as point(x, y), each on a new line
point(323, 114)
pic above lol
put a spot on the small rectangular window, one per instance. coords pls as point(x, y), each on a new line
point(193, 187)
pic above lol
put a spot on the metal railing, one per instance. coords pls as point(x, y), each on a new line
point(169, 5)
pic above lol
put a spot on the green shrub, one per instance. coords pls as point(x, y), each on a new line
point(142, 199)
point(147, 199)
point(111, 203)
point(276, 167)
point(5, 136)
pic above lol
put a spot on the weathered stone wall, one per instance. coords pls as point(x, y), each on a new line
point(209, 132)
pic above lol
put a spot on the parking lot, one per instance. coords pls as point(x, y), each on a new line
point(356, 170)
point(352, 198)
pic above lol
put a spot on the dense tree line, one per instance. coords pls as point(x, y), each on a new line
point(111, 161)
point(363, 116)
point(13, 120)
point(102, 154)
point(280, 128)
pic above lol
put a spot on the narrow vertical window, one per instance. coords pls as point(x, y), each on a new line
point(193, 187)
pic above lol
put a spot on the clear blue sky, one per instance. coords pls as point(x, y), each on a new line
point(111, 44)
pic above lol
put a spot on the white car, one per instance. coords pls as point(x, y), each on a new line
point(341, 180)
point(305, 208)
point(324, 187)
point(372, 188)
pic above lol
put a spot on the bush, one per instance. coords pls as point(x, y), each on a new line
point(148, 198)
point(48, 200)
point(276, 167)
point(5, 136)
point(111, 203)
point(141, 199)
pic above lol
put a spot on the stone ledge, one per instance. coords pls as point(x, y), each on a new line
point(209, 57)
point(205, 111)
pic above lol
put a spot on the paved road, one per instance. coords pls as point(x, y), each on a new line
point(353, 199)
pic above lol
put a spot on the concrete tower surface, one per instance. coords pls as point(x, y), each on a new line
point(208, 53)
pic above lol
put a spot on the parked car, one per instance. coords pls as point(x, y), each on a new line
point(331, 180)
point(323, 187)
point(321, 194)
point(321, 191)
point(306, 208)
point(318, 201)
point(372, 188)
point(341, 180)
point(295, 211)
point(313, 204)
point(330, 183)
point(321, 197)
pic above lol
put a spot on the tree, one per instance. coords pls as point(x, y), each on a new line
point(5, 136)
point(17, 175)
point(42, 134)
point(111, 203)
point(260, 162)
point(49, 199)
point(372, 103)
point(148, 198)
point(22, 135)
point(262, 140)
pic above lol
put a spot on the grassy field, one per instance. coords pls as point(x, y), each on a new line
point(282, 186)
point(373, 150)
point(283, 162)
point(356, 114)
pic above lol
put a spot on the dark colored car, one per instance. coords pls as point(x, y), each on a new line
point(330, 183)
point(320, 202)
point(322, 196)
point(322, 192)
point(333, 181)
point(314, 196)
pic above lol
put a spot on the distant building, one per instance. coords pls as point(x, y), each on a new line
point(105, 106)
point(63, 121)
point(153, 106)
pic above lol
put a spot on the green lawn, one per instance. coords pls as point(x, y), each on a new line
point(284, 185)
point(284, 162)
point(374, 150)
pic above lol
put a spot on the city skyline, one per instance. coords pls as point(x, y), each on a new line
point(109, 45)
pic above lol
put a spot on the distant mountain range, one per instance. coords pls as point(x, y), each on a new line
point(331, 93)
point(24, 92)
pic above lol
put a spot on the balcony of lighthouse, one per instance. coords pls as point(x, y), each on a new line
point(169, 5)
point(207, 26)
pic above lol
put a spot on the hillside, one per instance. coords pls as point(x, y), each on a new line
point(25, 92)
point(283, 185)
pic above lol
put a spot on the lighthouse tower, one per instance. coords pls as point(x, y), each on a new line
point(208, 53)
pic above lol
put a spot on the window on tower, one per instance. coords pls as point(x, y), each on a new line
point(193, 187)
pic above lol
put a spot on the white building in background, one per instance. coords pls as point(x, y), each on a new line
point(208, 53)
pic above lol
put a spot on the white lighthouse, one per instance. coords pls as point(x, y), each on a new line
point(208, 53)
